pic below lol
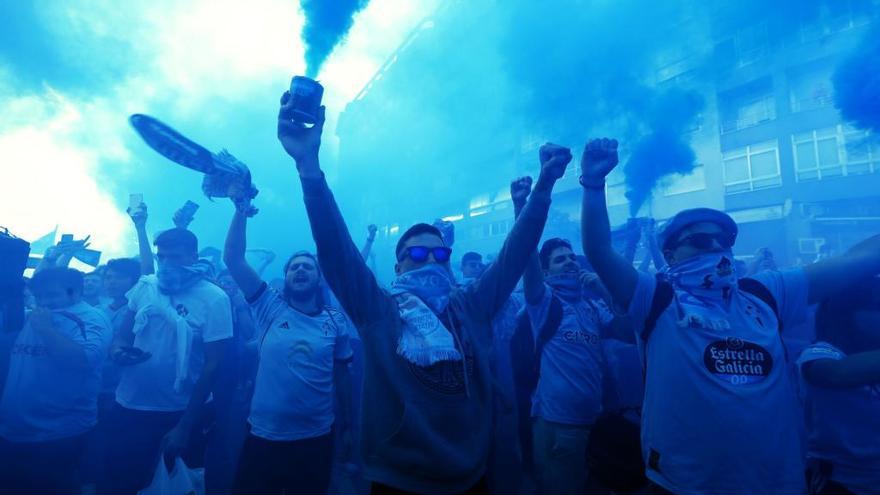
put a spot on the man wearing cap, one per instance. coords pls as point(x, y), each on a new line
point(721, 414)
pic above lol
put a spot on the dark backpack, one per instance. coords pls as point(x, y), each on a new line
point(614, 454)
point(525, 354)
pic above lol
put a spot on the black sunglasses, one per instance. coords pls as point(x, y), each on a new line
point(419, 254)
point(706, 240)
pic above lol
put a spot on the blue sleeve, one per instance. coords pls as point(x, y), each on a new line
point(790, 289)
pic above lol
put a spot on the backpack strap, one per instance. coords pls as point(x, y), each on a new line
point(759, 290)
point(548, 330)
point(663, 294)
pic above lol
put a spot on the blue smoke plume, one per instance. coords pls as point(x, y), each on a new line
point(665, 149)
point(327, 23)
point(857, 84)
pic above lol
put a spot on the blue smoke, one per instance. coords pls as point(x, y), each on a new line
point(327, 23)
point(857, 84)
point(665, 149)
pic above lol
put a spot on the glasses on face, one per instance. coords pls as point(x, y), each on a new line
point(707, 240)
point(419, 254)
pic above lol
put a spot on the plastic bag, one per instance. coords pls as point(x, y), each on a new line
point(180, 481)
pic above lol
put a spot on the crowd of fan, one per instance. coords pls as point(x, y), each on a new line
point(540, 372)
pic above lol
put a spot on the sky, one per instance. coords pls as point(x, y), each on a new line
point(459, 114)
point(72, 71)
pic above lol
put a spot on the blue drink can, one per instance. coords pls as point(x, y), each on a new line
point(306, 98)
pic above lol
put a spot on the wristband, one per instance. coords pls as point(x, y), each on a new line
point(588, 185)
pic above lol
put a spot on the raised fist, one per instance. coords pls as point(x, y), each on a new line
point(598, 160)
point(520, 190)
point(300, 142)
point(554, 159)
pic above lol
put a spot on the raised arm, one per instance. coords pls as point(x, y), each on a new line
point(493, 288)
point(830, 276)
point(345, 270)
point(633, 236)
point(145, 251)
point(533, 279)
point(368, 244)
point(857, 370)
point(618, 275)
point(234, 251)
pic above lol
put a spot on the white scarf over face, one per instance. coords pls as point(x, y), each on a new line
point(422, 294)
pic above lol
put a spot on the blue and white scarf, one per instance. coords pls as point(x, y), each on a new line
point(421, 295)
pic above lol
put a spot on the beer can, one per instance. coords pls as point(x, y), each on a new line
point(306, 96)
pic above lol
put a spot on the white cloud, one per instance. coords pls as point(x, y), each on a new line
point(57, 149)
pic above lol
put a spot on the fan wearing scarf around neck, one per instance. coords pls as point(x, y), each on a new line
point(714, 359)
point(170, 346)
point(428, 387)
point(567, 322)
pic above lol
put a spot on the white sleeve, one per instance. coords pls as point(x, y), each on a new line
point(218, 319)
point(266, 306)
point(790, 289)
point(642, 298)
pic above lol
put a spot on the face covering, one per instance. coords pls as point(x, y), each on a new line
point(174, 279)
point(566, 285)
point(709, 274)
point(431, 283)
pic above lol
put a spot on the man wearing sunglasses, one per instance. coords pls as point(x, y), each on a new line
point(428, 385)
point(721, 414)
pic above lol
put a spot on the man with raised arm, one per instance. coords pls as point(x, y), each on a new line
point(721, 413)
point(428, 385)
point(303, 354)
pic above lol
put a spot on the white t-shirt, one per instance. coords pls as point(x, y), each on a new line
point(844, 427)
point(44, 399)
point(721, 412)
point(149, 386)
point(569, 389)
point(294, 388)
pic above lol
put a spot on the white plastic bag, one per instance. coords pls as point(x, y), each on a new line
point(180, 481)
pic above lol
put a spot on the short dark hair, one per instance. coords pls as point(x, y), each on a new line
point(471, 256)
point(417, 229)
point(548, 247)
point(69, 279)
point(299, 254)
point(178, 237)
point(127, 267)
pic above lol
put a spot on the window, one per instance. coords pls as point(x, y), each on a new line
point(751, 168)
point(811, 91)
point(751, 44)
point(834, 152)
point(747, 106)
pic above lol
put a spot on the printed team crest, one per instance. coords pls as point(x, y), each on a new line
point(724, 268)
point(181, 310)
point(738, 361)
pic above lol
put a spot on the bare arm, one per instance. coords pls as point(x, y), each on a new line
point(145, 251)
point(234, 255)
point(618, 275)
point(533, 279)
point(828, 277)
point(633, 236)
point(853, 371)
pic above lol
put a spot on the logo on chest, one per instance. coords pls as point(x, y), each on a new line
point(737, 361)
